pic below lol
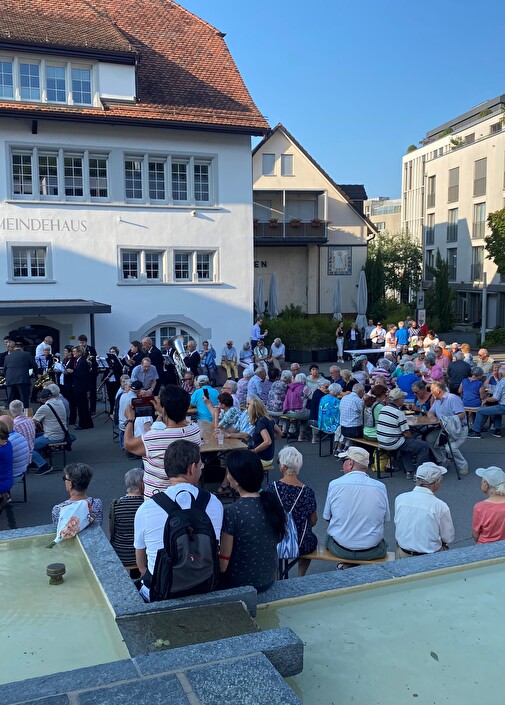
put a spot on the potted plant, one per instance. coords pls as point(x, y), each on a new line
point(273, 222)
point(295, 222)
point(316, 222)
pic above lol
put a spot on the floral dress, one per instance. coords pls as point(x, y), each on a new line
point(305, 506)
point(276, 397)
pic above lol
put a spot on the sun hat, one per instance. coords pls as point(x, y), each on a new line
point(430, 472)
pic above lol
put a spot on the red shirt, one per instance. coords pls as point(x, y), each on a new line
point(489, 521)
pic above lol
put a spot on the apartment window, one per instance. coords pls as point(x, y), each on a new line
point(29, 81)
point(452, 225)
point(98, 185)
point(156, 180)
point(28, 262)
point(133, 178)
point(268, 164)
point(432, 184)
point(469, 139)
point(81, 86)
point(429, 263)
point(381, 225)
point(452, 261)
point(56, 88)
point(495, 127)
point(152, 265)
point(182, 266)
point(179, 181)
point(479, 220)
point(73, 176)
point(287, 165)
point(453, 194)
point(204, 266)
point(22, 174)
point(48, 175)
point(130, 264)
point(477, 272)
point(194, 266)
point(6, 80)
point(429, 231)
point(58, 175)
point(479, 178)
point(202, 183)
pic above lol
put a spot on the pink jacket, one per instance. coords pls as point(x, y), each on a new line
point(295, 398)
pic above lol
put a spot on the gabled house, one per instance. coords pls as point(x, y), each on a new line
point(125, 174)
point(306, 228)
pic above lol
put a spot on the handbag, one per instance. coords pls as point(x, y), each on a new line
point(67, 436)
point(289, 547)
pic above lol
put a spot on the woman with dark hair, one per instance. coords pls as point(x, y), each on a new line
point(423, 397)
point(77, 477)
point(228, 413)
point(353, 338)
point(252, 527)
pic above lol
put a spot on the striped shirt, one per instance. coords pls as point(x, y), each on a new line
point(391, 425)
point(124, 511)
point(156, 442)
point(26, 427)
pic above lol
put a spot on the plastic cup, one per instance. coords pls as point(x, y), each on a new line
point(220, 438)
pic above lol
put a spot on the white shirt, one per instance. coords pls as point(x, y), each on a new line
point(150, 519)
point(356, 507)
point(39, 350)
point(423, 522)
point(124, 401)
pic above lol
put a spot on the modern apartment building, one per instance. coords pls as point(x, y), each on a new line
point(125, 175)
point(449, 187)
point(384, 213)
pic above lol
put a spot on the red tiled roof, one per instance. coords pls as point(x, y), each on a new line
point(186, 74)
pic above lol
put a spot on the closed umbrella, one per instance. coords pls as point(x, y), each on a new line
point(337, 301)
point(273, 297)
point(361, 319)
point(259, 298)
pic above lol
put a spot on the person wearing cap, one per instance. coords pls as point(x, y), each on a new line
point(53, 429)
point(393, 433)
point(449, 410)
point(356, 509)
point(423, 522)
point(488, 519)
point(198, 397)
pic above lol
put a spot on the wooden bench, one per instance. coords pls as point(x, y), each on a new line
point(371, 443)
point(322, 436)
point(322, 554)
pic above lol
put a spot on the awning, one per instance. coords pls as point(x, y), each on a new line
point(41, 307)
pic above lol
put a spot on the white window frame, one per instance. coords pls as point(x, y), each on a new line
point(287, 159)
point(141, 253)
point(50, 61)
point(60, 154)
point(13, 246)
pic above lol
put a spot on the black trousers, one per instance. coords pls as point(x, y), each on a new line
point(19, 391)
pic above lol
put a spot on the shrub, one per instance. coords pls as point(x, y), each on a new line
point(496, 337)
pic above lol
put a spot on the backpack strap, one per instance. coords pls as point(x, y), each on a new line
point(200, 502)
point(165, 502)
point(296, 500)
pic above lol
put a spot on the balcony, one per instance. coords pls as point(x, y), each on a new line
point(295, 232)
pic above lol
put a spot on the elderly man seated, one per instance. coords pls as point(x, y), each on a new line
point(356, 509)
point(423, 522)
point(491, 406)
point(257, 387)
point(393, 434)
point(351, 412)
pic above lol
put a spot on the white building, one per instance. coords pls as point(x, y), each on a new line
point(306, 228)
point(449, 187)
point(126, 175)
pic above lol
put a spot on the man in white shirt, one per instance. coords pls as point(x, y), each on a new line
point(46, 343)
point(356, 508)
point(183, 468)
point(378, 336)
point(51, 419)
point(423, 522)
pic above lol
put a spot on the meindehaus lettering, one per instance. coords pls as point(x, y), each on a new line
point(45, 225)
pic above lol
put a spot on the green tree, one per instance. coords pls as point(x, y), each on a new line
point(440, 296)
point(495, 241)
point(400, 260)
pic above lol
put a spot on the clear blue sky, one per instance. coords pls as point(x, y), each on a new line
point(358, 82)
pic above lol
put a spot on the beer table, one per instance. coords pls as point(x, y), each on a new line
point(213, 448)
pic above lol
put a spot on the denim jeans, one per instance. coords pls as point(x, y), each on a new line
point(40, 443)
point(497, 410)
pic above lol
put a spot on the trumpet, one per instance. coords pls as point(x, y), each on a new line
point(2, 380)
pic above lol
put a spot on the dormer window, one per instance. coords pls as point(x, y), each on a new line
point(46, 81)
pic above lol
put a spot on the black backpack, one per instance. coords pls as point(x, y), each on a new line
point(188, 563)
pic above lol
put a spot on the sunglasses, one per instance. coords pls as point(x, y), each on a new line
point(65, 478)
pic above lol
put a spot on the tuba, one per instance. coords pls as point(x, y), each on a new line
point(178, 358)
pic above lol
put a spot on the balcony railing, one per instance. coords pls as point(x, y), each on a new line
point(291, 232)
